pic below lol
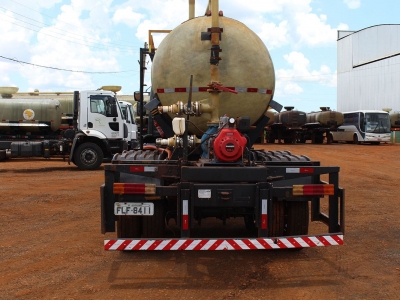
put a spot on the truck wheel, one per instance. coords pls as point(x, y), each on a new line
point(129, 227)
point(249, 223)
point(288, 141)
point(319, 139)
point(355, 140)
point(297, 218)
point(88, 156)
point(154, 226)
point(3, 155)
point(301, 139)
point(278, 224)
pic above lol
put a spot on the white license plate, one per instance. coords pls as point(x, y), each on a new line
point(204, 193)
point(133, 209)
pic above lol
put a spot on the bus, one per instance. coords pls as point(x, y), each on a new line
point(363, 126)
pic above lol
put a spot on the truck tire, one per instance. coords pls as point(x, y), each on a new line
point(88, 156)
point(278, 224)
point(249, 223)
point(154, 226)
point(289, 140)
point(297, 213)
point(3, 155)
point(319, 139)
point(289, 218)
point(271, 140)
point(129, 227)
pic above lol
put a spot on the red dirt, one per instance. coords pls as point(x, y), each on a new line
point(51, 245)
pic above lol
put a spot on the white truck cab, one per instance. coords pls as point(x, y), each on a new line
point(130, 119)
point(101, 129)
point(100, 115)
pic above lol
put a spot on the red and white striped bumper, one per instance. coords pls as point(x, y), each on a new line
point(224, 244)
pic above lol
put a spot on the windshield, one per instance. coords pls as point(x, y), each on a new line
point(377, 123)
point(124, 112)
point(127, 112)
point(131, 113)
point(101, 104)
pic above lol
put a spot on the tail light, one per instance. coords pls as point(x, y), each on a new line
point(313, 190)
point(134, 188)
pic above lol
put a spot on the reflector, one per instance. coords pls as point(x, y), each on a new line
point(134, 188)
point(313, 189)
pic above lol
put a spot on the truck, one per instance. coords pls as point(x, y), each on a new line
point(96, 130)
point(320, 124)
point(203, 186)
point(128, 113)
point(287, 126)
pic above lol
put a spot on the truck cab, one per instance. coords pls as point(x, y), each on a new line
point(101, 129)
point(130, 119)
point(100, 115)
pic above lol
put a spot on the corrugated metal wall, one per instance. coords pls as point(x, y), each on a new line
point(369, 69)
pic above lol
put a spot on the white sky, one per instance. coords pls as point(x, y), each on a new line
point(88, 38)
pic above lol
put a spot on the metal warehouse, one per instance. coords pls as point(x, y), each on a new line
point(369, 68)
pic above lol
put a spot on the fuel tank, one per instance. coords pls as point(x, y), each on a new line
point(290, 117)
point(325, 117)
point(395, 120)
point(245, 67)
point(19, 116)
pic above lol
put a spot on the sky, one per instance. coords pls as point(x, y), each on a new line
point(68, 45)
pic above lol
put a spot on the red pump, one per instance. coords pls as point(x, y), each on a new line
point(229, 145)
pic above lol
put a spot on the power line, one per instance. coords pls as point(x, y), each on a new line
point(69, 24)
point(66, 39)
point(60, 69)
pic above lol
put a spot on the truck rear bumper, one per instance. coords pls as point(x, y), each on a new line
point(225, 244)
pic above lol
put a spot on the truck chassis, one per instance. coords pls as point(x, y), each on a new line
point(274, 194)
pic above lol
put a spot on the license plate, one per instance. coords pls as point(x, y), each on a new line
point(133, 209)
point(204, 193)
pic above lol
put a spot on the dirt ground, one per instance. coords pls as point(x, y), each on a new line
point(51, 246)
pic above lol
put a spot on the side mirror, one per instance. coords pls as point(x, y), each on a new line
point(136, 96)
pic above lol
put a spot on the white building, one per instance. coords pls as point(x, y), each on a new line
point(369, 68)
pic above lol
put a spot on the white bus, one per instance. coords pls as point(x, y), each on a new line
point(363, 126)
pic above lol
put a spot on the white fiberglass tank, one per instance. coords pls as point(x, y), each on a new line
point(245, 66)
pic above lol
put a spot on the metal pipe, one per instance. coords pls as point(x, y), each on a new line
point(214, 67)
point(191, 9)
point(142, 62)
point(214, 13)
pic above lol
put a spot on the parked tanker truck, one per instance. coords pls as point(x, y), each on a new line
point(287, 126)
point(36, 128)
point(204, 173)
point(320, 124)
point(395, 120)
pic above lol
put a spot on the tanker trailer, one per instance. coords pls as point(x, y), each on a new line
point(287, 126)
point(246, 78)
point(32, 128)
point(395, 121)
point(66, 102)
point(26, 116)
point(200, 78)
point(320, 124)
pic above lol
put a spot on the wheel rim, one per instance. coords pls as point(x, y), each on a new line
point(88, 157)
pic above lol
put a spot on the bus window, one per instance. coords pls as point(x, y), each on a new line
point(378, 123)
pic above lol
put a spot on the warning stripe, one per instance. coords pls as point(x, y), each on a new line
point(205, 89)
point(225, 244)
